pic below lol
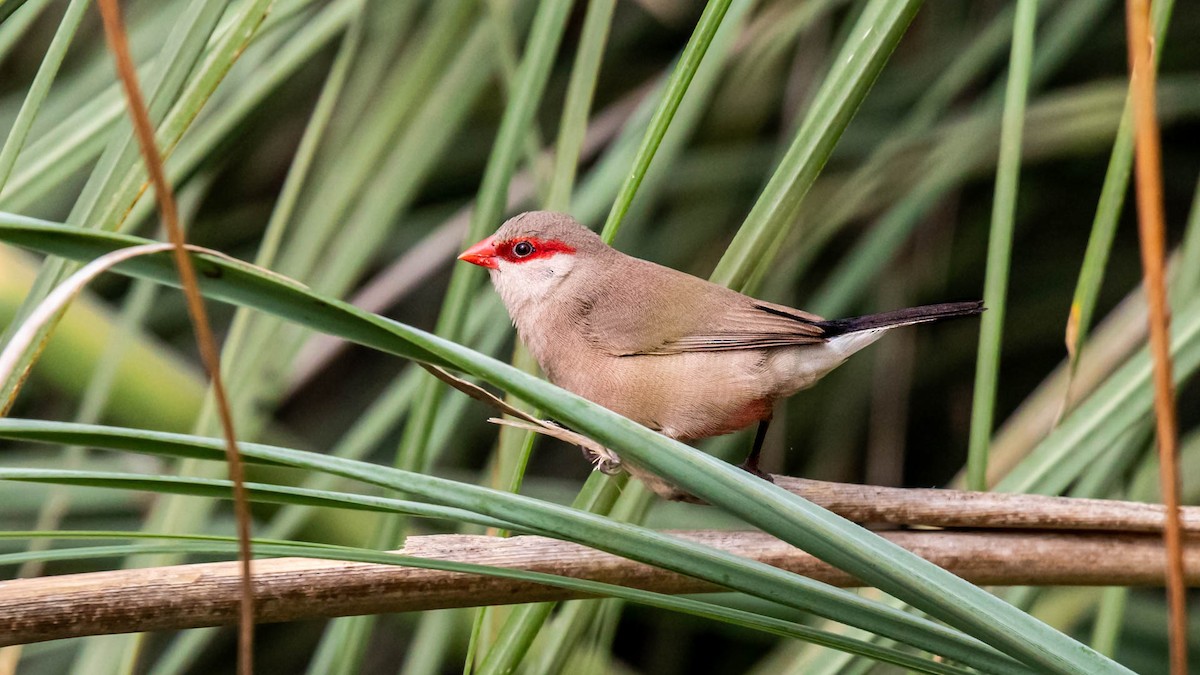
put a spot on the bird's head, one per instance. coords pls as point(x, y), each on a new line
point(532, 254)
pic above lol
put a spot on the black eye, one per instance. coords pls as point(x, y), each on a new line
point(522, 249)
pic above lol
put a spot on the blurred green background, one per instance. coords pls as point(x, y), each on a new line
point(352, 138)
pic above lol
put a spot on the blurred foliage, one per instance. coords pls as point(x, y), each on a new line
point(377, 119)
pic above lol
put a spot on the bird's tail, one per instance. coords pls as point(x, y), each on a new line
point(901, 317)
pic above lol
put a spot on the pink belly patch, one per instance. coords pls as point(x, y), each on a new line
point(740, 418)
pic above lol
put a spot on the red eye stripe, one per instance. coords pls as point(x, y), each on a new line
point(542, 248)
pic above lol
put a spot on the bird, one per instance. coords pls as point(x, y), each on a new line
point(681, 355)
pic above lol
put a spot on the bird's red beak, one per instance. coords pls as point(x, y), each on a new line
point(483, 254)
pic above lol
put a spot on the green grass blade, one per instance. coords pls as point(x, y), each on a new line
point(864, 54)
point(1123, 401)
point(580, 90)
point(40, 87)
point(1107, 628)
point(1004, 205)
point(15, 19)
point(565, 523)
point(263, 493)
point(1108, 210)
point(677, 86)
point(969, 64)
point(66, 148)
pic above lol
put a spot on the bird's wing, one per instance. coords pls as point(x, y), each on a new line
point(644, 309)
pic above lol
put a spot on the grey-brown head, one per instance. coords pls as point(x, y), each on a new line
point(532, 254)
point(555, 230)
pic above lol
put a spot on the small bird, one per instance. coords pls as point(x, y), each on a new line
point(678, 354)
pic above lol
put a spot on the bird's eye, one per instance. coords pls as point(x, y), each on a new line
point(522, 249)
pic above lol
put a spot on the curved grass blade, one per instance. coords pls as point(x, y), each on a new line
point(263, 493)
point(563, 523)
point(1187, 277)
point(787, 516)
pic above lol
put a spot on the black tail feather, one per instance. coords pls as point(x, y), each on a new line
point(901, 317)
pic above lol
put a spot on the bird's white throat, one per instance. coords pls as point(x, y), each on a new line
point(529, 286)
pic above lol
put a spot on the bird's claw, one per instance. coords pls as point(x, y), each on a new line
point(604, 460)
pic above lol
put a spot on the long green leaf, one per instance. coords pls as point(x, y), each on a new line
point(862, 57)
point(563, 522)
point(40, 87)
point(263, 493)
point(1004, 206)
point(677, 86)
point(1108, 209)
point(789, 517)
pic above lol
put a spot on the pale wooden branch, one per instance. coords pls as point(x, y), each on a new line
point(989, 510)
point(289, 589)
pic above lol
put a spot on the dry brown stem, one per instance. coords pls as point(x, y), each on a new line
point(290, 589)
point(1152, 237)
point(118, 44)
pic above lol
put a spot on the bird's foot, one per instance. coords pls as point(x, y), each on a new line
point(604, 460)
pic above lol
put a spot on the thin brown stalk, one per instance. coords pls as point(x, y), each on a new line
point(1151, 232)
point(114, 31)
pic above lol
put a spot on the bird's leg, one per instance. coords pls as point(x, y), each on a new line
point(751, 463)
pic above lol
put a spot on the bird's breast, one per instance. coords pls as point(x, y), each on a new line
point(685, 396)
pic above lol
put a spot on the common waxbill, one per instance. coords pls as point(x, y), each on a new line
point(681, 355)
